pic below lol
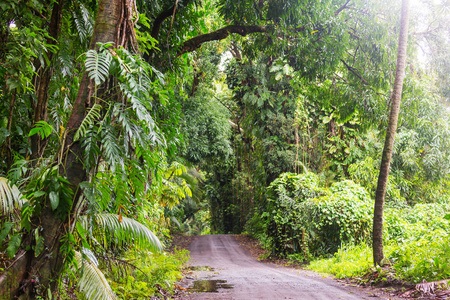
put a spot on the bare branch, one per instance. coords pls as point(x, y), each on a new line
point(355, 72)
point(220, 34)
point(161, 17)
point(341, 8)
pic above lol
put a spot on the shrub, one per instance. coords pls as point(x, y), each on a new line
point(427, 258)
point(308, 219)
point(284, 218)
point(343, 215)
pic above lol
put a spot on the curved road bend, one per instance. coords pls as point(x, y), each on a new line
point(252, 279)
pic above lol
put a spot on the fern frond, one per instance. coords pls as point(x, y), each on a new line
point(175, 169)
point(97, 65)
point(92, 282)
point(89, 120)
point(129, 125)
point(10, 197)
point(125, 230)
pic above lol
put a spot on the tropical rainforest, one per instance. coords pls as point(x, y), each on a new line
point(124, 122)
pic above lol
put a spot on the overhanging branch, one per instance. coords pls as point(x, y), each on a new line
point(161, 17)
point(220, 34)
point(341, 8)
point(356, 73)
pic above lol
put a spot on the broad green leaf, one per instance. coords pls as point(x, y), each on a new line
point(54, 199)
point(42, 128)
point(6, 228)
point(13, 245)
point(38, 194)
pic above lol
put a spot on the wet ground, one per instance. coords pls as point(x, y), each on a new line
point(209, 286)
point(222, 269)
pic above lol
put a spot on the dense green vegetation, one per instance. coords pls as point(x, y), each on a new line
point(123, 122)
point(416, 247)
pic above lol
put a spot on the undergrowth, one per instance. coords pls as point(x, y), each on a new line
point(349, 261)
point(417, 247)
point(331, 228)
point(142, 274)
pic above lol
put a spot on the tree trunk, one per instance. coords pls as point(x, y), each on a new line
point(28, 273)
point(40, 110)
point(390, 136)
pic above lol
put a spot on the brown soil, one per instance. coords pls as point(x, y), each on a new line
point(254, 248)
point(180, 241)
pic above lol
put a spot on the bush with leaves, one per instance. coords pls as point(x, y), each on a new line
point(305, 218)
point(343, 215)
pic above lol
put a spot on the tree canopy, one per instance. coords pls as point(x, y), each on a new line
point(124, 119)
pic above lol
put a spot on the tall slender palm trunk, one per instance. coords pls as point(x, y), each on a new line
point(390, 137)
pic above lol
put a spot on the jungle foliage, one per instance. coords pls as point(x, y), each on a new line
point(122, 122)
point(416, 242)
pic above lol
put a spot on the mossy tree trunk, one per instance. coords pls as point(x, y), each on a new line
point(28, 273)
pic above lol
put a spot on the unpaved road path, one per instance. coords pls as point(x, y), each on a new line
point(251, 279)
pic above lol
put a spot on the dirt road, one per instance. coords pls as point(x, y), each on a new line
point(220, 263)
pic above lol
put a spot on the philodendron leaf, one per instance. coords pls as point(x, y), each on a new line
point(13, 245)
point(97, 65)
point(54, 200)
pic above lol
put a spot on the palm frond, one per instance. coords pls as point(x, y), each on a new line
point(89, 120)
point(92, 282)
point(90, 255)
point(97, 65)
point(125, 230)
point(10, 196)
point(176, 222)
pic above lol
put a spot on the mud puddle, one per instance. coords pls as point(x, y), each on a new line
point(209, 286)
